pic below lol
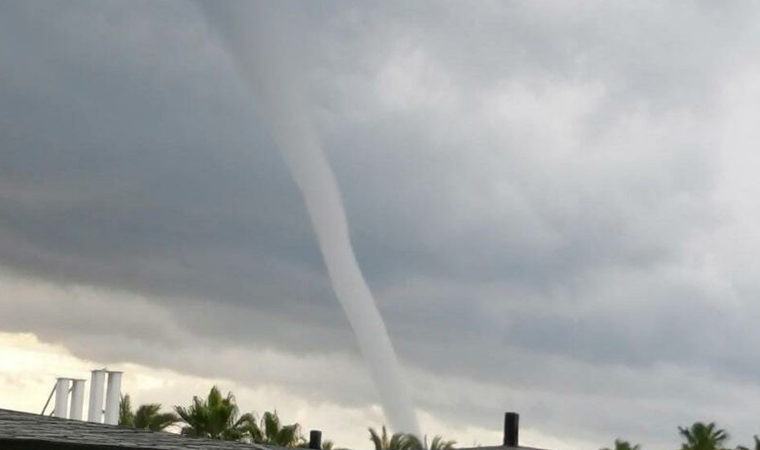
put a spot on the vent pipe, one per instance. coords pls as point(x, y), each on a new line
point(77, 400)
point(62, 387)
point(113, 397)
point(97, 384)
point(511, 429)
point(315, 440)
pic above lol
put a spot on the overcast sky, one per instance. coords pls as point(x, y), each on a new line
point(554, 202)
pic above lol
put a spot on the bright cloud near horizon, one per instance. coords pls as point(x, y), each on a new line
point(555, 204)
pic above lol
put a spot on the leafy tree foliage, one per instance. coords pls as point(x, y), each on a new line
point(624, 445)
point(701, 436)
point(216, 417)
point(406, 441)
point(438, 443)
point(147, 417)
point(273, 432)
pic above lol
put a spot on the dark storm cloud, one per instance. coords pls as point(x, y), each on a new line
point(526, 185)
point(138, 154)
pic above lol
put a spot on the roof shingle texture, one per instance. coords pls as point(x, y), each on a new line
point(24, 431)
point(21, 427)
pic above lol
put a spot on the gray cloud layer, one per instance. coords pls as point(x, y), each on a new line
point(536, 193)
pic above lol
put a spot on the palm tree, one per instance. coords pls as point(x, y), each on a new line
point(624, 445)
point(439, 444)
point(216, 417)
point(702, 436)
point(411, 442)
point(273, 432)
point(757, 445)
point(398, 441)
point(126, 416)
point(406, 441)
point(147, 417)
point(150, 417)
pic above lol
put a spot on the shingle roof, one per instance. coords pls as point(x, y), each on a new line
point(25, 430)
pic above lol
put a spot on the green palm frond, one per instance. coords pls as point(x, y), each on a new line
point(145, 414)
point(215, 417)
point(161, 422)
point(397, 441)
point(275, 433)
point(376, 439)
point(621, 444)
point(438, 443)
point(289, 435)
point(250, 427)
point(701, 436)
point(270, 422)
point(411, 442)
point(126, 416)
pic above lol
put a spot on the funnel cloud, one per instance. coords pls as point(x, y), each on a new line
point(555, 208)
point(256, 35)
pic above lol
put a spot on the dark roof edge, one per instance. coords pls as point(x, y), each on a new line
point(13, 442)
point(499, 447)
point(41, 444)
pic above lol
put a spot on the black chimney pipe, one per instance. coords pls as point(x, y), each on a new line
point(315, 440)
point(511, 429)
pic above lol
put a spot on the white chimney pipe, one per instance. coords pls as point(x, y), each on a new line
point(113, 397)
point(97, 384)
point(77, 400)
point(62, 387)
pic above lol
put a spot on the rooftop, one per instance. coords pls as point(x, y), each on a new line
point(25, 431)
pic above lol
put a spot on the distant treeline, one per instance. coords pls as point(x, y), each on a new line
point(699, 436)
